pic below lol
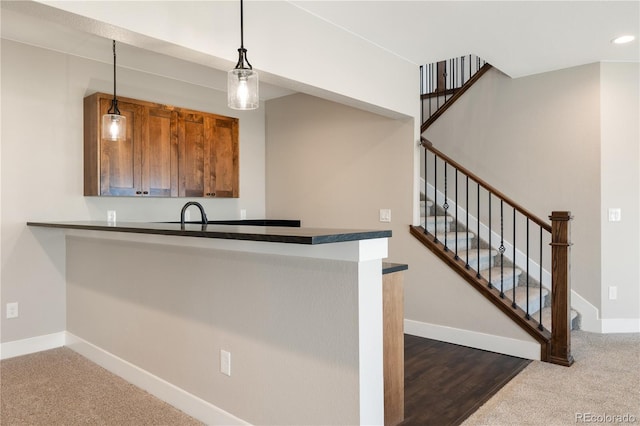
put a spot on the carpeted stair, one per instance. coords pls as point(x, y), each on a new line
point(502, 276)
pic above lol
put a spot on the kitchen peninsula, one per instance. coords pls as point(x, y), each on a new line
point(298, 310)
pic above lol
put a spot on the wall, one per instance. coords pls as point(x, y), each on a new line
point(291, 324)
point(563, 140)
point(620, 188)
point(42, 171)
point(333, 165)
point(287, 45)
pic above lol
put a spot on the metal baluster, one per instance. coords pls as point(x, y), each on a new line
point(501, 249)
point(462, 59)
point(466, 225)
point(429, 77)
point(456, 255)
point(490, 246)
point(436, 88)
point(540, 326)
point(435, 196)
point(527, 316)
point(478, 228)
point(426, 175)
point(513, 300)
point(445, 206)
point(421, 93)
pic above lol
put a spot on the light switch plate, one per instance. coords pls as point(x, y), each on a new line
point(385, 215)
point(225, 362)
point(12, 310)
point(615, 215)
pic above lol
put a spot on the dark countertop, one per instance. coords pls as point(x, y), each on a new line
point(276, 234)
point(389, 268)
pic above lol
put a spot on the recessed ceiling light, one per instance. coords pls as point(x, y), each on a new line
point(623, 39)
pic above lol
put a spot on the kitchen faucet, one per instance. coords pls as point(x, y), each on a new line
point(203, 215)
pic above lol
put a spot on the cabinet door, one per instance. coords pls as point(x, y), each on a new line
point(192, 155)
point(223, 163)
point(159, 153)
point(120, 160)
point(208, 155)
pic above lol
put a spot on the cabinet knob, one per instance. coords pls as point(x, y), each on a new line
point(138, 192)
point(145, 192)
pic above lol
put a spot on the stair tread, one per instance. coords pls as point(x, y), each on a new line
point(521, 293)
point(507, 271)
point(546, 317)
point(439, 218)
point(458, 234)
point(473, 253)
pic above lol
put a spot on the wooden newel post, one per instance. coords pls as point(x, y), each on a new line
point(560, 348)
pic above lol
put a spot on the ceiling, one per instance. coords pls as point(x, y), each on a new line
point(518, 37)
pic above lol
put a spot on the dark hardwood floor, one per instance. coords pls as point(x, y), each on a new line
point(445, 383)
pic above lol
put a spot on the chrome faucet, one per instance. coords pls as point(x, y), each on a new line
point(203, 215)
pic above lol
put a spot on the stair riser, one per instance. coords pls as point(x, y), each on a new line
point(486, 262)
point(451, 242)
point(431, 227)
point(534, 303)
point(507, 282)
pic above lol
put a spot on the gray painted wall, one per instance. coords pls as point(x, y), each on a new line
point(333, 165)
point(563, 140)
point(42, 170)
point(290, 323)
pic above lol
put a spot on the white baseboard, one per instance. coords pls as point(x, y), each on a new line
point(179, 398)
point(589, 314)
point(32, 345)
point(590, 318)
point(474, 339)
point(620, 325)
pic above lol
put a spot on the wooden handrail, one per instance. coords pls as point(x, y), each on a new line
point(458, 93)
point(428, 145)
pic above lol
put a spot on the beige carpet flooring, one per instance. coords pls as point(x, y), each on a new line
point(60, 387)
point(603, 383)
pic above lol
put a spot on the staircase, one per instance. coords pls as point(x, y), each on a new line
point(513, 283)
point(516, 260)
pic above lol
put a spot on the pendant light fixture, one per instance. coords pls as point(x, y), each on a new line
point(114, 124)
point(242, 81)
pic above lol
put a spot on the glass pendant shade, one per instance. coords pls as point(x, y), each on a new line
point(114, 124)
point(114, 127)
point(242, 89)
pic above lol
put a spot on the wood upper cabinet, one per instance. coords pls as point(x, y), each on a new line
point(168, 152)
point(208, 153)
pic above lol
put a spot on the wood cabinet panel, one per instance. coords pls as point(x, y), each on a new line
point(160, 154)
point(119, 160)
point(208, 153)
point(225, 161)
point(168, 152)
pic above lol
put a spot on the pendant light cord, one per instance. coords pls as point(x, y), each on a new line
point(243, 62)
point(114, 102)
point(241, 26)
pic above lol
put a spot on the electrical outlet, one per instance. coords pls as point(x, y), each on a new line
point(111, 217)
point(385, 215)
point(243, 214)
point(12, 310)
point(613, 293)
point(615, 215)
point(225, 362)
